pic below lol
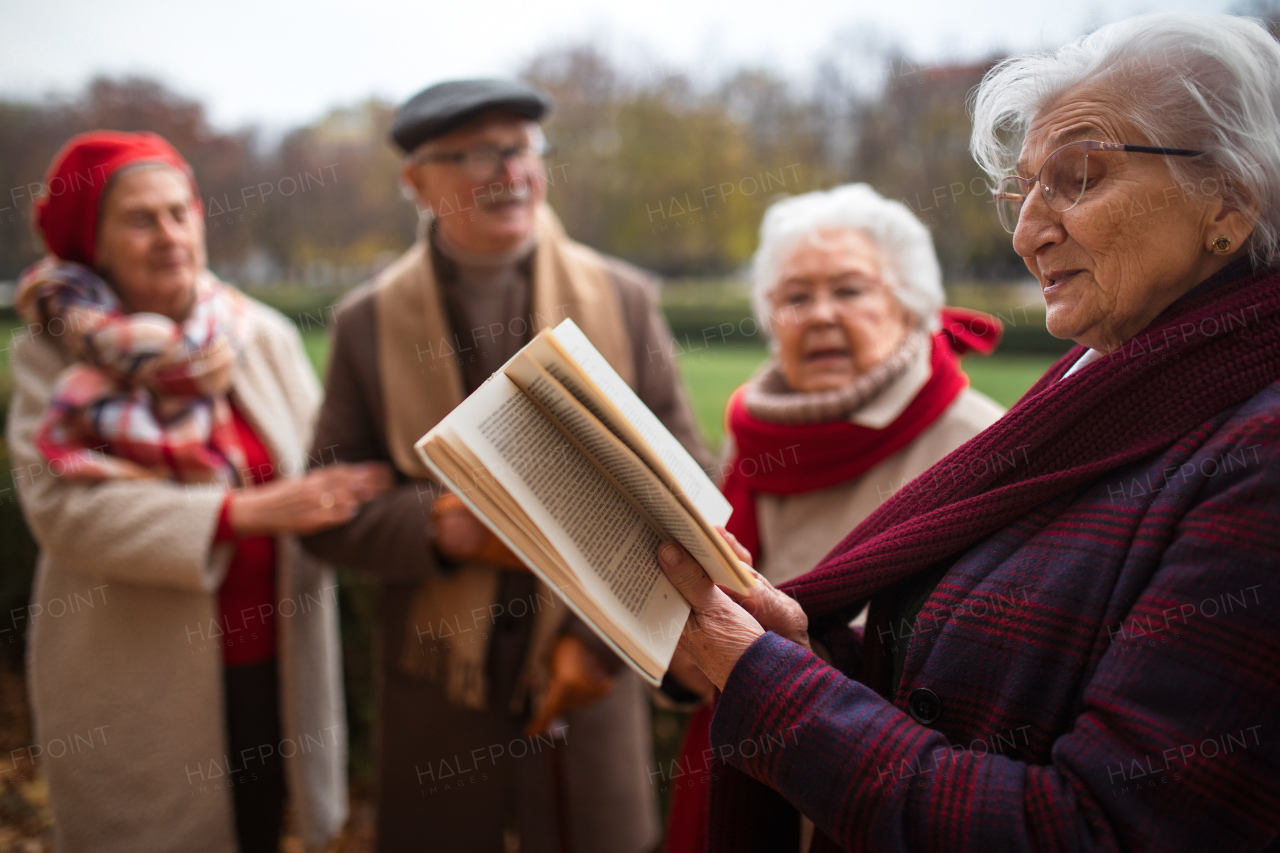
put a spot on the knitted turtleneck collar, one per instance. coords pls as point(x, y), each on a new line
point(769, 397)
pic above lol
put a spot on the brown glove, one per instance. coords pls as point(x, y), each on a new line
point(578, 679)
point(482, 545)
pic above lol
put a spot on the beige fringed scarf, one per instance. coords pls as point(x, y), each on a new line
point(418, 360)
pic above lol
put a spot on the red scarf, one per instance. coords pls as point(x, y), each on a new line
point(813, 457)
point(818, 456)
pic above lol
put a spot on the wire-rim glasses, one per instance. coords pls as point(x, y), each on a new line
point(1063, 178)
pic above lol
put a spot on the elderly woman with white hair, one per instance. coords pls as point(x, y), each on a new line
point(1086, 589)
point(864, 392)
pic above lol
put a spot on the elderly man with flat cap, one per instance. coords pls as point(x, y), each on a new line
point(503, 723)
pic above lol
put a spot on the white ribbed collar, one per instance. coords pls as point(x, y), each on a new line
point(1089, 357)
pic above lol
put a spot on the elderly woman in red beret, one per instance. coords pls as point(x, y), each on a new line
point(160, 425)
point(1072, 637)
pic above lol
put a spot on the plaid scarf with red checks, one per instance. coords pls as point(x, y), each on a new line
point(146, 397)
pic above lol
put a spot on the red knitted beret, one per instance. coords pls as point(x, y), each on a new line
point(67, 209)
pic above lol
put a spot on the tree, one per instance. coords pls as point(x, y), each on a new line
point(30, 136)
point(913, 145)
point(666, 174)
point(331, 197)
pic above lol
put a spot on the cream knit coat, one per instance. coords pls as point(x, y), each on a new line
point(124, 656)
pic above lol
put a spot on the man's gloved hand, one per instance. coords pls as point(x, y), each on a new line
point(578, 679)
point(460, 537)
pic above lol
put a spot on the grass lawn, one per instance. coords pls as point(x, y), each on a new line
point(711, 375)
point(316, 343)
point(1004, 378)
point(8, 330)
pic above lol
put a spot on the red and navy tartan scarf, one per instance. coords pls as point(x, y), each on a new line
point(146, 397)
point(1216, 347)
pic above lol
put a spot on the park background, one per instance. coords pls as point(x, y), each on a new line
point(667, 166)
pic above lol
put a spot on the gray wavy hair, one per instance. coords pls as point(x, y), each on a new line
point(1205, 82)
point(910, 265)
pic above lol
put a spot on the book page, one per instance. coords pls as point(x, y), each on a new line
point(460, 469)
point(612, 401)
point(609, 546)
point(651, 442)
point(631, 475)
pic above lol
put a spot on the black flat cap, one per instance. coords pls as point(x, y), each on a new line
point(440, 108)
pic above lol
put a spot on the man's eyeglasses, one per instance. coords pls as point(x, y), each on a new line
point(484, 161)
point(1063, 177)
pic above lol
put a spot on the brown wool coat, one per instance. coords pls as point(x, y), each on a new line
point(433, 792)
point(124, 656)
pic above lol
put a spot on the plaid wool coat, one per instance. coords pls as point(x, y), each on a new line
point(1101, 674)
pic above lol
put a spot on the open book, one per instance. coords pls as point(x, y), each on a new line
point(565, 464)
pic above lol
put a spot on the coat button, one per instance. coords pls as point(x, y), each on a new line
point(924, 706)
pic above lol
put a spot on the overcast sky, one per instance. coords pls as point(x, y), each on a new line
point(282, 62)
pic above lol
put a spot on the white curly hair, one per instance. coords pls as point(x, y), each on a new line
point(910, 264)
point(1204, 82)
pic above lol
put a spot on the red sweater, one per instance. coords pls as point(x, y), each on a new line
point(246, 601)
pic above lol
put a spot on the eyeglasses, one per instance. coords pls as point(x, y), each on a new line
point(484, 161)
point(1063, 177)
point(796, 303)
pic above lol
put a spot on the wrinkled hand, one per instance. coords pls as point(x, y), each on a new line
point(460, 536)
point(578, 679)
point(722, 625)
point(319, 500)
point(738, 548)
point(774, 610)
